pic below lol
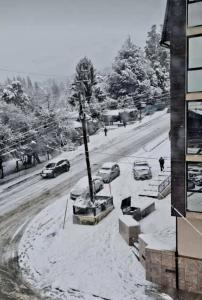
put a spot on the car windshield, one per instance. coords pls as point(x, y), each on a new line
point(51, 165)
point(140, 165)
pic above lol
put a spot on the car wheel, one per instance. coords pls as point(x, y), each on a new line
point(53, 174)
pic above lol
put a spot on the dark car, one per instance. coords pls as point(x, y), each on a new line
point(55, 168)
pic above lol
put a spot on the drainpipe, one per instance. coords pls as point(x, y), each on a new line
point(176, 257)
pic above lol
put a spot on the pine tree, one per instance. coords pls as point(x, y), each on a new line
point(29, 84)
point(129, 72)
point(158, 57)
point(14, 93)
point(84, 82)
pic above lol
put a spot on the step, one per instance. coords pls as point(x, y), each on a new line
point(151, 189)
point(152, 184)
point(152, 194)
point(135, 250)
point(136, 246)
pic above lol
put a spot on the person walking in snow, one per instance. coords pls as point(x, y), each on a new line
point(161, 162)
point(105, 131)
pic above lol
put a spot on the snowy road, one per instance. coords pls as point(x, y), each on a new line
point(19, 204)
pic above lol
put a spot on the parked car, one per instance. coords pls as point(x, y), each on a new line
point(54, 168)
point(190, 184)
point(82, 187)
point(194, 171)
point(109, 171)
point(142, 170)
point(198, 180)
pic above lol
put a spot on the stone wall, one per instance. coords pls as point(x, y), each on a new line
point(160, 267)
point(190, 274)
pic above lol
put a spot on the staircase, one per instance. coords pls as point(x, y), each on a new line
point(135, 250)
point(159, 187)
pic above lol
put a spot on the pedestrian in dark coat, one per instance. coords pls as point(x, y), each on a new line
point(105, 131)
point(161, 162)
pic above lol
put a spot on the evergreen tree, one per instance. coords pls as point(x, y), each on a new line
point(129, 72)
point(159, 58)
point(29, 84)
point(85, 80)
point(14, 93)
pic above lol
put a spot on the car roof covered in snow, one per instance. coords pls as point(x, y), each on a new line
point(108, 164)
point(140, 162)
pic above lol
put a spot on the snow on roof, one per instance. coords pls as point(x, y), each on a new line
point(155, 244)
point(108, 164)
point(128, 220)
point(114, 112)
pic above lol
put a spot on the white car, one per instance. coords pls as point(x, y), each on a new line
point(82, 187)
point(109, 171)
point(141, 170)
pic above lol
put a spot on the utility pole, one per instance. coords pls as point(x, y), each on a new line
point(85, 140)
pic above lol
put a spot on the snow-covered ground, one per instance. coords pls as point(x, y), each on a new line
point(82, 262)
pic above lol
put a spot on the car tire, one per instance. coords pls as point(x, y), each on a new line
point(66, 169)
point(53, 175)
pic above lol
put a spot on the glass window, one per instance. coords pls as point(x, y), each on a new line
point(195, 81)
point(195, 14)
point(194, 187)
point(195, 52)
point(194, 127)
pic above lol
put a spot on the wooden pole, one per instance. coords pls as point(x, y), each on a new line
point(85, 140)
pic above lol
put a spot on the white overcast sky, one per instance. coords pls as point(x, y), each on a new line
point(50, 36)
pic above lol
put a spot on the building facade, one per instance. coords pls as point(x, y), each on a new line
point(182, 33)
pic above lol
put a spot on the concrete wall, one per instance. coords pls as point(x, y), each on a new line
point(129, 229)
point(160, 269)
point(189, 241)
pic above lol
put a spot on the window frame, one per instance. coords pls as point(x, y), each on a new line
point(192, 69)
point(188, 4)
point(187, 209)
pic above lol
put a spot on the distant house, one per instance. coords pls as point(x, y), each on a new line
point(119, 115)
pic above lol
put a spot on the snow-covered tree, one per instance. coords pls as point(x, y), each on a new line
point(14, 93)
point(129, 72)
point(84, 81)
point(159, 58)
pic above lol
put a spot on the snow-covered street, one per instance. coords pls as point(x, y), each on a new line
point(89, 262)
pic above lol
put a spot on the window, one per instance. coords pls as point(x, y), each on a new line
point(195, 81)
point(194, 127)
point(194, 76)
point(195, 13)
point(194, 186)
point(195, 52)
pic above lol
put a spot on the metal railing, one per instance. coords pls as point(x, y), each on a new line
point(164, 184)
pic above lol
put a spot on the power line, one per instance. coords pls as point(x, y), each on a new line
point(31, 129)
point(23, 136)
point(23, 140)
